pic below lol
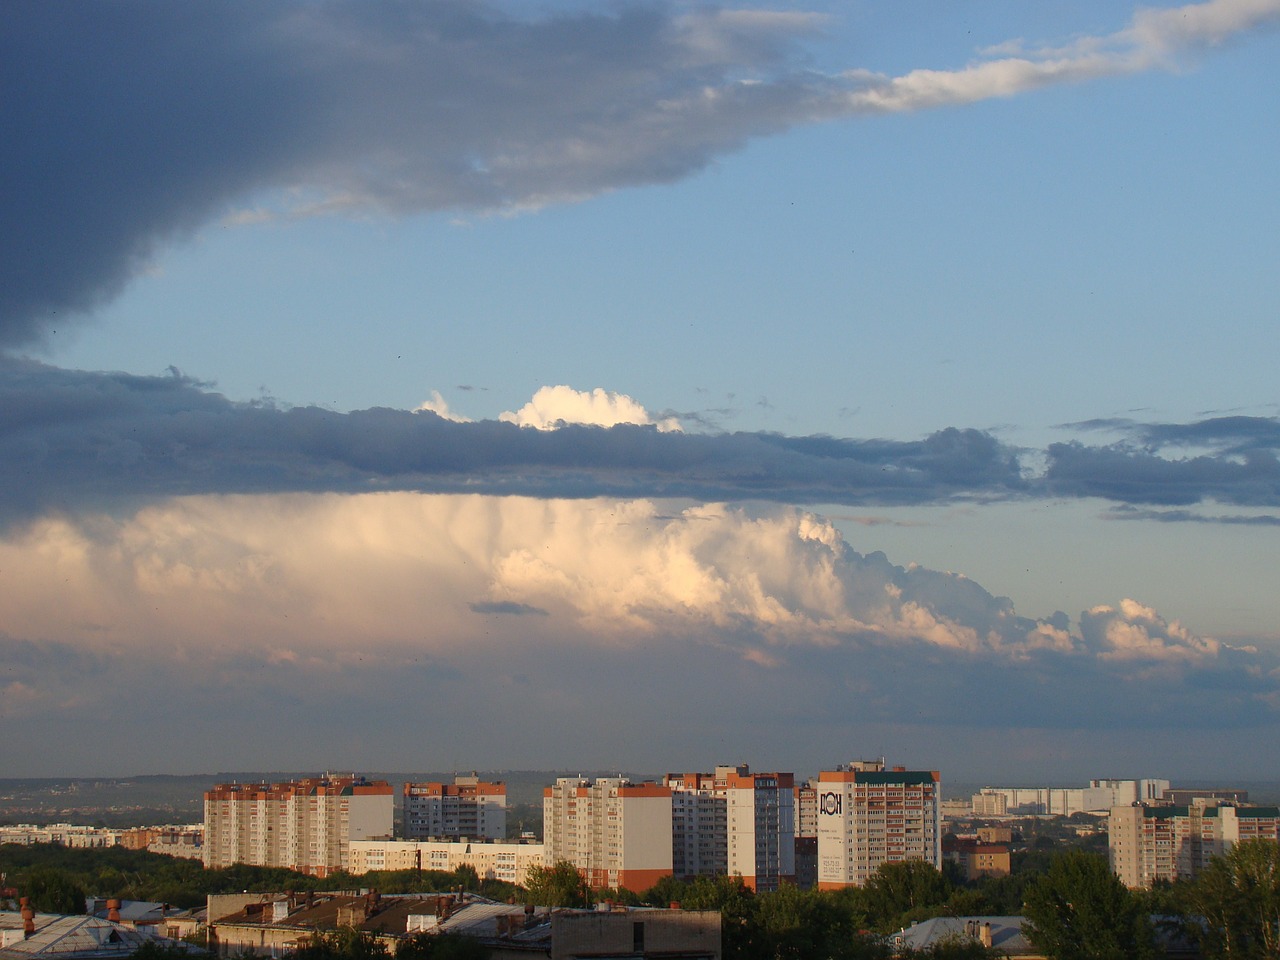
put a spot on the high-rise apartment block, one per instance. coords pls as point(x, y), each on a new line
point(1149, 843)
point(305, 825)
point(869, 816)
point(734, 822)
point(467, 808)
point(617, 833)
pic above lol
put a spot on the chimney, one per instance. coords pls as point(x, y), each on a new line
point(113, 911)
point(985, 936)
point(675, 904)
point(28, 918)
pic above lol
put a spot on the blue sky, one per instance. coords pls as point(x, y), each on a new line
point(988, 288)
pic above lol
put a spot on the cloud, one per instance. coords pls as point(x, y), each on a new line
point(77, 441)
point(1189, 516)
point(389, 609)
point(140, 122)
point(1133, 632)
point(553, 407)
point(73, 440)
point(507, 608)
point(440, 408)
point(1239, 465)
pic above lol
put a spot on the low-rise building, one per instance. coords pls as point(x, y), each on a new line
point(64, 834)
point(491, 860)
point(273, 924)
point(977, 859)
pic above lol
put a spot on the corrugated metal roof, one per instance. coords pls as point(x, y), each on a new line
point(68, 937)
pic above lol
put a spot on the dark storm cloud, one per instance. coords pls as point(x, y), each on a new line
point(1239, 466)
point(1188, 516)
point(507, 607)
point(71, 439)
point(127, 124)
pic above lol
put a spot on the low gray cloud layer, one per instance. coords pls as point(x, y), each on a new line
point(129, 124)
point(72, 440)
point(69, 439)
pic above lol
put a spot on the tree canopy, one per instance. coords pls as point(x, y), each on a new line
point(1079, 910)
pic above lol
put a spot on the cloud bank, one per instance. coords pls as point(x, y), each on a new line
point(132, 124)
point(75, 441)
point(562, 610)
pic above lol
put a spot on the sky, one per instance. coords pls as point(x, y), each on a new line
point(641, 386)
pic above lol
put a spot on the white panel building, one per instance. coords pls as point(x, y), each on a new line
point(869, 816)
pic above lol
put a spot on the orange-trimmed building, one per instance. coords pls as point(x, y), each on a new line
point(468, 808)
point(734, 822)
point(305, 825)
point(617, 833)
point(869, 816)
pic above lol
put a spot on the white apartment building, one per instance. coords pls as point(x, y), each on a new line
point(491, 860)
point(305, 825)
point(734, 822)
point(869, 816)
point(66, 834)
point(467, 808)
point(1098, 797)
point(617, 833)
point(1150, 843)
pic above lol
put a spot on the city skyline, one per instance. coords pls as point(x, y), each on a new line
point(667, 381)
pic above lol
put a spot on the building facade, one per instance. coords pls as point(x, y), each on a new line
point(734, 822)
point(1149, 843)
point(467, 808)
point(869, 816)
point(1098, 797)
point(617, 833)
point(305, 825)
point(491, 860)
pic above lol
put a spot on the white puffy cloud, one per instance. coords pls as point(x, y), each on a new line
point(1136, 633)
point(227, 615)
point(552, 406)
point(299, 574)
point(440, 408)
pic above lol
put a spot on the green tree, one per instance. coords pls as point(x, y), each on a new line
point(559, 885)
point(1238, 897)
point(900, 893)
point(53, 891)
point(441, 946)
point(795, 924)
point(1079, 910)
point(345, 943)
point(467, 878)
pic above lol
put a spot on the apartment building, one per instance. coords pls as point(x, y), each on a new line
point(491, 860)
point(734, 822)
point(467, 808)
point(1099, 796)
point(699, 826)
point(869, 816)
point(1149, 843)
point(617, 833)
point(305, 825)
